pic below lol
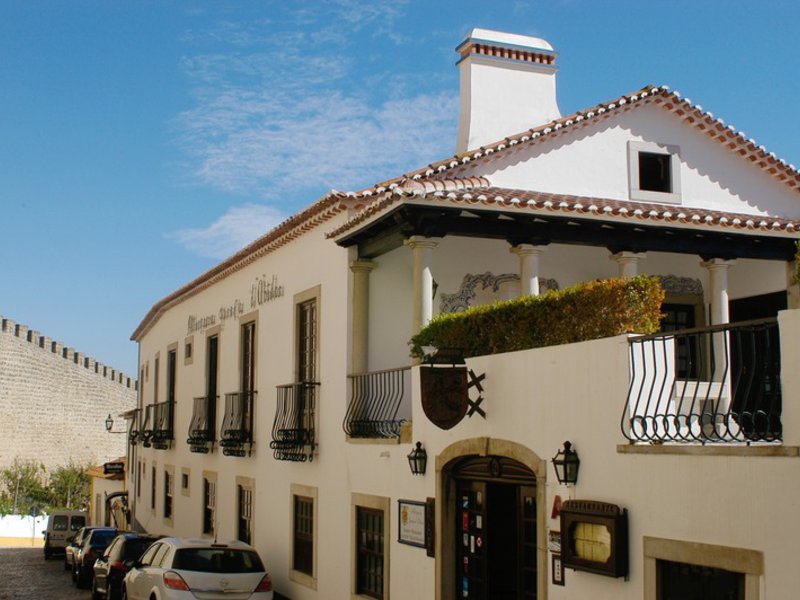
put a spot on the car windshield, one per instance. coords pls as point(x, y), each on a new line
point(217, 560)
point(102, 537)
point(77, 523)
point(60, 522)
point(135, 547)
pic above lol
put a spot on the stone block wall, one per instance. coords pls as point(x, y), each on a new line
point(54, 401)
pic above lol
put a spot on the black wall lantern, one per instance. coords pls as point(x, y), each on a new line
point(109, 423)
point(566, 463)
point(418, 460)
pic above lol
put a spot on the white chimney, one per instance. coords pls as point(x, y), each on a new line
point(508, 85)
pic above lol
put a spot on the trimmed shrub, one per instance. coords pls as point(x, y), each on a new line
point(586, 311)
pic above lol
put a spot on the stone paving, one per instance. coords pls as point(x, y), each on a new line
point(26, 575)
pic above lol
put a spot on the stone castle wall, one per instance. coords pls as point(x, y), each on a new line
point(54, 401)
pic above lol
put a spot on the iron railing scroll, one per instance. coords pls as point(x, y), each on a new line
point(201, 427)
point(717, 384)
point(134, 431)
point(236, 434)
point(162, 426)
point(293, 428)
point(146, 431)
point(375, 403)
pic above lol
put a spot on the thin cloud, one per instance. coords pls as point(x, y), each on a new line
point(233, 230)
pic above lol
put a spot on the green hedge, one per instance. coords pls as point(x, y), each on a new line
point(586, 311)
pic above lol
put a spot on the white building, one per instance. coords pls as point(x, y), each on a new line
point(279, 403)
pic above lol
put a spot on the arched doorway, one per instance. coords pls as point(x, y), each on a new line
point(491, 538)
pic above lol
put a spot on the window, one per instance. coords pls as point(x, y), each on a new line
point(155, 379)
point(209, 504)
point(369, 538)
point(139, 469)
point(153, 489)
point(691, 571)
point(654, 172)
point(184, 481)
point(168, 494)
point(147, 557)
point(171, 385)
point(187, 351)
point(245, 520)
point(303, 559)
point(248, 357)
point(307, 341)
point(370, 545)
point(303, 500)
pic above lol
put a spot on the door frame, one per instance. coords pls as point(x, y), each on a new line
point(446, 511)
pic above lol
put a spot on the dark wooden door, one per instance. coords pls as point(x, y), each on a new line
point(471, 567)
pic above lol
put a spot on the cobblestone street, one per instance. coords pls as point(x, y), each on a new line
point(26, 575)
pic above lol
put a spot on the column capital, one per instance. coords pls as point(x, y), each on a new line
point(717, 263)
point(627, 256)
point(362, 265)
point(419, 241)
point(527, 250)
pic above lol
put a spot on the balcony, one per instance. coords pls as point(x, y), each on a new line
point(293, 428)
point(714, 385)
point(379, 404)
point(236, 434)
point(201, 428)
point(162, 426)
point(134, 431)
point(146, 429)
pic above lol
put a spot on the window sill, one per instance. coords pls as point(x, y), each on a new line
point(303, 579)
point(710, 450)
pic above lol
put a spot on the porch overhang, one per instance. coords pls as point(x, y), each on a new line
point(391, 228)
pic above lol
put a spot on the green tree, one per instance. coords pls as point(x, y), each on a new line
point(68, 487)
point(24, 487)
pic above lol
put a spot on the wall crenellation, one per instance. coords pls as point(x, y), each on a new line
point(46, 344)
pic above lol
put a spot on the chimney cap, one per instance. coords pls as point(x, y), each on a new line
point(507, 39)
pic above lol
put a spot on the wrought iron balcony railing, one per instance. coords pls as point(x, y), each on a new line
point(236, 434)
point(146, 426)
point(202, 434)
point(713, 385)
point(293, 428)
point(134, 427)
point(379, 403)
point(162, 425)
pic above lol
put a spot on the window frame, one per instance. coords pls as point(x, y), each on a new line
point(309, 580)
point(635, 148)
point(372, 503)
point(245, 484)
point(209, 503)
point(737, 560)
point(169, 494)
point(153, 490)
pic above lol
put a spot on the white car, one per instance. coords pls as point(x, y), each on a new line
point(174, 568)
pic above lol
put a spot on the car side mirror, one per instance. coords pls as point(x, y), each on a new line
point(103, 558)
point(130, 564)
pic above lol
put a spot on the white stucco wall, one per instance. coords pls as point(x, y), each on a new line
point(593, 161)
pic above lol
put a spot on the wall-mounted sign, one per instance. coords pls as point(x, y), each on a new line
point(554, 541)
point(411, 523)
point(444, 395)
point(594, 537)
point(262, 291)
point(265, 290)
point(557, 569)
point(114, 468)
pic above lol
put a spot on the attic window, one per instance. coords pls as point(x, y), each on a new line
point(654, 172)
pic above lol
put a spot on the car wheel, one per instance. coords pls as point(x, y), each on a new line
point(47, 552)
point(74, 574)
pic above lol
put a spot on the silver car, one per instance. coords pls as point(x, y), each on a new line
point(184, 569)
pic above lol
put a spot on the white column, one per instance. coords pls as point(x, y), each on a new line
point(718, 289)
point(528, 267)
point(423, 280)
point(628, 263)
point(360, 350)
point(720, 315)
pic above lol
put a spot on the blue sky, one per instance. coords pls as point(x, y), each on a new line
point(141, 141)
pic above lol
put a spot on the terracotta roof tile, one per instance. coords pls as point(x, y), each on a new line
point(605, 208)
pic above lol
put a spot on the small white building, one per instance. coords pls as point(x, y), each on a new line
point(278, 402)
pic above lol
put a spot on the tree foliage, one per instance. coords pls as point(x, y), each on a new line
point(26, 488)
